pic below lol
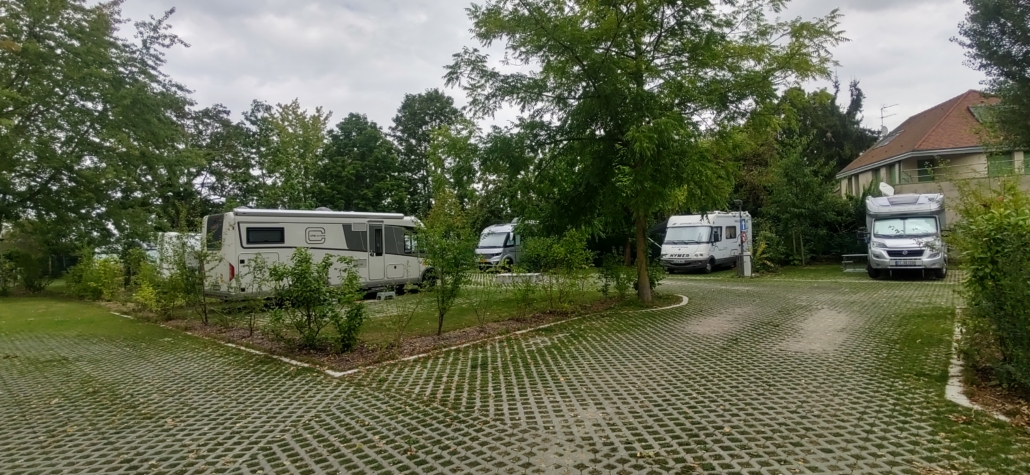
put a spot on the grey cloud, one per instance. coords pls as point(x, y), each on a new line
point(364, 55)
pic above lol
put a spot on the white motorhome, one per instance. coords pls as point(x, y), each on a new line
point(704, 242)
point(381, 244)
point(905, 234)
point(171, 246)
point(499, 246)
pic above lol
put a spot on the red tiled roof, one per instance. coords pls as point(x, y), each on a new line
point(948, 125)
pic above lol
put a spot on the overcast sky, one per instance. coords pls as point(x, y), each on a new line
point(364, 55)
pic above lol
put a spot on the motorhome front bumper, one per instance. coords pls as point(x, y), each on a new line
point(890, 259)
point(683, 264)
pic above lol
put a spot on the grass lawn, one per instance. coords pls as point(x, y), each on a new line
point(923, 335)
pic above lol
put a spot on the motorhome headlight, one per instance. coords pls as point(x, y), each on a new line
point(878, 245)
point(934, 255)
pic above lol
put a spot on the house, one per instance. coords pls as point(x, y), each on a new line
point(933, 150)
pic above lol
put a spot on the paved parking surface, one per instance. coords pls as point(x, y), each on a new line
point(750, 377)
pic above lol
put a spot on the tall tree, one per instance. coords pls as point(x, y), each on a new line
point(629, 88)
point(359, 169)
point(287, 143)
point(996, 34)
point(417, 118)
point(89, 125)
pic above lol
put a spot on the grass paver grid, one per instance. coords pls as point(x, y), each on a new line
point(750, 377)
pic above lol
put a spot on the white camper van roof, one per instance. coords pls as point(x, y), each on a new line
point(905, 204)
point(287, 213)
point(707, 219)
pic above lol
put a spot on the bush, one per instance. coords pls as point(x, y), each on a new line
point(31, 270)
point(96, 279)
point(993, 240)
point(450, 251)
point(308, 303)
point(562, 260)
point(8, 275)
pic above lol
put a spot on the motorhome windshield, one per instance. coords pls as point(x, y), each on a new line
point(492, 240)
point(905, 227)
point(688, 235)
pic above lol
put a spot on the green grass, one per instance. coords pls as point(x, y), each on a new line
point(51, 315)
point(500, 305)
point(920, 360)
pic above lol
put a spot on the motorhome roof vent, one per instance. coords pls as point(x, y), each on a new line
point(905, 199)
point(322, 208)
point(515, 221)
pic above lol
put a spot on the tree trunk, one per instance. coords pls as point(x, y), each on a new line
point(440, 286)
point(643, 284)
point(802, 239)
point(627, 252)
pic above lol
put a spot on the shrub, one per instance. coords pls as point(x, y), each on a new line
point(308, 303)
point(450, 249)
point(8, 275)
point(993, 240)
point(96, 279)
point(32, 270)
point(562, 260)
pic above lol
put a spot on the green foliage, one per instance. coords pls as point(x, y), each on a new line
point(993, 240)
point(96, 279)
point(449, 245)
point(359, 169)
point(656, 273)
point(619, 90)
point(996, 35)
point(88, 122)
point(417, 119)
point(308, 302)
point(563, 261)
point(8, 275)
point(287, 142)
point(615, 277)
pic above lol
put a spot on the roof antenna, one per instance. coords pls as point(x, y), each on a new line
point(883, 115)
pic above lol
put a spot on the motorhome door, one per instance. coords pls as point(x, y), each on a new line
point(376, 253)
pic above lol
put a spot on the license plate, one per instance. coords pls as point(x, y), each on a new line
point(905, 263)
point(679, 261)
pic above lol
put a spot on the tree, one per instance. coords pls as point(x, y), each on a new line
point(798, 197)
point(628, 91)
point(417, 118)
point(359, 169)
point(286, 143)
point(996, 35)
point(88, 122)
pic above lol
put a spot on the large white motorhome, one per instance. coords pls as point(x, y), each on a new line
point(382, 245)
point(704, 242)
point(905, 234)
point(499, 246)
point(171, 246)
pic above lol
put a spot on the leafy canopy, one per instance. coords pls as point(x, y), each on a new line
point(628, 91)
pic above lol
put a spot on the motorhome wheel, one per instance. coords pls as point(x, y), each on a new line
point(873, 273)
point(940, 273)
point(709, 266)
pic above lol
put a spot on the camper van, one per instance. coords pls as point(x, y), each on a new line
point(905, 234)
point(172, 246)
point(499, 246)
point(381, 244)
point(704, 242)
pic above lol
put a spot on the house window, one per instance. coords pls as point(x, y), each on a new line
point(924, 172)
point(1000, 165)
point(266, 236)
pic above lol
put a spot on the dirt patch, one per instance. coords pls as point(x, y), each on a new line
point(725, 322)
point(821, 331)
point(1000, 401)
point(364, 354)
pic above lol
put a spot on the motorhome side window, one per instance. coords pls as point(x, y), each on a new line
point(716, 234)
point(356, 236)
point(731, 232)
point(214, 232)
point(266, 236)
